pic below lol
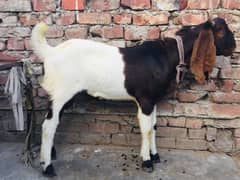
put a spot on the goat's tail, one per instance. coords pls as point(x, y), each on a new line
point(39, 42)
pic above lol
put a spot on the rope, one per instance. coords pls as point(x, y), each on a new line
point(181, 67)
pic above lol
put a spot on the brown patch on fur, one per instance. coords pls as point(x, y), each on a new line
point(203, 55)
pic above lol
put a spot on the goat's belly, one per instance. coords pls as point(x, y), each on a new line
point(108, 86)
point(111, 95)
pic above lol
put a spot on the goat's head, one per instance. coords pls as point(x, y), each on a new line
point(214, 38)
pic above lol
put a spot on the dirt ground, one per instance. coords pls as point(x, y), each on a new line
point(79, 162)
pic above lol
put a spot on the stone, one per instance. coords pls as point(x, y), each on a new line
point(15, 6)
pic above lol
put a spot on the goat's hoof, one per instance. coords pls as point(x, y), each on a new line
point(53, 153)
point(49, 171)
point(155, 158)
point(147, 166)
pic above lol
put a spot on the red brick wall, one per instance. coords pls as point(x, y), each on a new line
point(202, 117)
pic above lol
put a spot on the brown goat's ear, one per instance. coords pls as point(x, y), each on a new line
point(203, 55)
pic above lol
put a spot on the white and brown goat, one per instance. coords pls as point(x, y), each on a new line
point(141, 73)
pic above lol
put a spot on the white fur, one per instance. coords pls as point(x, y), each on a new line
point(145, 122)
point(153, 146)
point(78, 65)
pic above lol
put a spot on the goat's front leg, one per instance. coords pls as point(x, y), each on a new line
point(153, 153)
point(146, 131)
point(49, 127)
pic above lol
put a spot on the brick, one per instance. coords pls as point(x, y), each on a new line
point(220, 97)
point(94, 18)
point(190, 109)
point(28, 19)
point(8, 57)
point(224, 141)
point(46, 18)
point(2, 45)
point(125, 129)
point(73, 4)
point(153, 33)
point(27, 44)
point(236, 132)
point(104, 127)
point(54, 32)
point(126, 139)
point(231, 4)
point(136, 4)
point(124, 18)
point(224, 110)
point(165, 108)
point(203, 4)
point(8, 19)
point(70, 127)
point(234, 123)
point(76, 32)
point(162, 121)
point(147, 19)
point(211, 134)
point(44, 5)
point(134, 139)
point(237, 45)
point(112, 32)
point(170, 32)
point(194, 123)
point(15, 44)
point(197, 133)
point(190, 96)
point(192, 19)
point(226, 73)
point(15, 6)
point(222, 62)
point(165, 142)
point(15, 32)
point(210, 86)
point(65, 19)
point(96, 31)
point(104, 4)
point(171, 132)
point(135, 33)
point(94, 138)
point(228, 85)
point(119, 139)
point(237, 143)
point(177, 122)
point(167, 5)
point(236, 85)
point(193, 144)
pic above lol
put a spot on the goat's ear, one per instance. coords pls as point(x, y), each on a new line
point(203, 55)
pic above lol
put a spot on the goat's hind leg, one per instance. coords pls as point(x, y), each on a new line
point(145, 121)
point(153, 153)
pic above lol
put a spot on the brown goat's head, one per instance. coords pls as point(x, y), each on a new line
point(214, 38)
